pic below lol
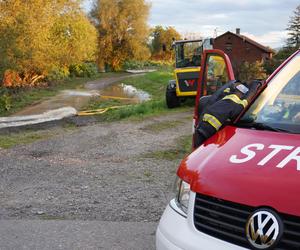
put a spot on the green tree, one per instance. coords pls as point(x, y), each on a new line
point(249, 71)
point(75, 36)
point(292, 44)
point(162, 39)
point(123, 31)
point(279, 57)
point(294, 29)
point(37, 35)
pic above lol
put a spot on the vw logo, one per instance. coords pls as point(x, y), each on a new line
point(264, 229)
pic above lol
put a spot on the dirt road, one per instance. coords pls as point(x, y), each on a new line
point(101, 186)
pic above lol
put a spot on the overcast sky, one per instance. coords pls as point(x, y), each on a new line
point(262, 20)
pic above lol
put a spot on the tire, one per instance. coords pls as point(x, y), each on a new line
point(172, 99)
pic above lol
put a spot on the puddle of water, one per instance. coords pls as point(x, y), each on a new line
point(78, 99)
point(72, 93)
point(126, 91)
point(66, 98)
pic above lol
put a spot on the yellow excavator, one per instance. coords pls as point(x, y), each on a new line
point(187, 70)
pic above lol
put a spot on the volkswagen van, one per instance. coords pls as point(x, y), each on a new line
point(241, 188)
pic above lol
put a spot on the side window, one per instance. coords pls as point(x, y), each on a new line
point(216, 73)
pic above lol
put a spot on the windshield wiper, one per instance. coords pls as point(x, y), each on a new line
point(260, 126)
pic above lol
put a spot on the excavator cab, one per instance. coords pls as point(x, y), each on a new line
point(187, 70)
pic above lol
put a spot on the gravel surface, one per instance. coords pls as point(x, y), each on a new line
point(38, 234)
point(96, 173)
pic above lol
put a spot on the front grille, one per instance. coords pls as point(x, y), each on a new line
point(188, 81)
point(227, 220)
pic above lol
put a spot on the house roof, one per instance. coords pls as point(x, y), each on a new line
point(247, 39)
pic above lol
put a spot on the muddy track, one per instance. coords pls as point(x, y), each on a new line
point(73, 97)
point(99, 172)
point(102, 83)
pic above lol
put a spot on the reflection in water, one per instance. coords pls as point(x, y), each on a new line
point(70, 93)
point(126, 91)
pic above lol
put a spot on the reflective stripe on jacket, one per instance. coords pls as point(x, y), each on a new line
point(236, 99)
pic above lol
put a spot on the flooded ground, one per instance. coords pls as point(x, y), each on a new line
point(66, 98)
point(124, 92)
point(104, 89)
point(78, 99)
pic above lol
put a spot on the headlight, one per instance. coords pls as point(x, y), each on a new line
point(172, 84)
point(182, 194)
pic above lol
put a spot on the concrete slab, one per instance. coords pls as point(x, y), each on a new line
point(52, 115)
point(140, 71)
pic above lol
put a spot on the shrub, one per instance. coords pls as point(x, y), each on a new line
point(58, 74)
point(278, 58)
point(250, 71)
point(5, 100)
point(132, 64)
point(83, 70)
point(75, 70)
point(11, 78)
point(271, 65)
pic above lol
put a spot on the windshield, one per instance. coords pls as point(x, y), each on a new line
point(278, 107)
point(188, 54)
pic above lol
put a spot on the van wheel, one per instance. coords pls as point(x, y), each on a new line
point(172, 99)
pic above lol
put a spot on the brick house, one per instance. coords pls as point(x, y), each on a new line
point(240, 48)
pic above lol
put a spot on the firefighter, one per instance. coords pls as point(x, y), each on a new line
point(224, 105)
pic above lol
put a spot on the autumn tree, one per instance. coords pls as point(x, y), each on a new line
point(162, 39)
point(249, 71)
point(294, 29)
point(37, 35)
point(73, 34)
point(123, 31)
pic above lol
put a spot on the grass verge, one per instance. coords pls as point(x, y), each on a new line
point(11, 140)
point(29, 136)
point(161, 126)
point(183, 147)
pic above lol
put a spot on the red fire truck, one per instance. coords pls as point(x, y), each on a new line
point(240, 189)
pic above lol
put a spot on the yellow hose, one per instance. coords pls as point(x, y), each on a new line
point(104, 110)
point(98, 111)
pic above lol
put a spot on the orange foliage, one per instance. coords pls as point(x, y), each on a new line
point(11, 79)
